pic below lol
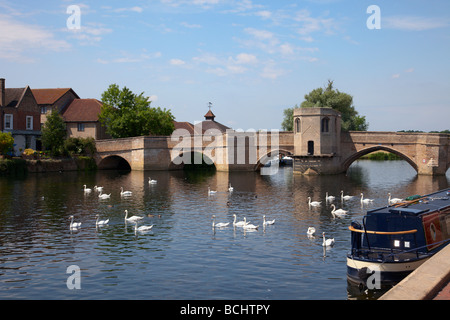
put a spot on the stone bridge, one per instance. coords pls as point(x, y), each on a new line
point(230, 151)
point(317, 146)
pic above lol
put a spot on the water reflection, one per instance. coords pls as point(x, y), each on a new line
point(182, 256)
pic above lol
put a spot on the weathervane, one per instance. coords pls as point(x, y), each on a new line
point(209, 105)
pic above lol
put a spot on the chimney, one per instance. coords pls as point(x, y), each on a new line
point(2, 92)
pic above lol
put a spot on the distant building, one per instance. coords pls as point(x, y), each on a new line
point(53, 99)
point(81, 118)
point(20, 115)
point(210, 123)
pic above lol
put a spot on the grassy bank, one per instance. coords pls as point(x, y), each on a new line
point(381, 156)
point(19, 166)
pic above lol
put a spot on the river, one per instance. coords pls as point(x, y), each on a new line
point(182, 256)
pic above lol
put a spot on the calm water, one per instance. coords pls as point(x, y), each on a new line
point(182, 257)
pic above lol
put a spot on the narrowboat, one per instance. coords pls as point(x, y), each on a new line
point(391, 242)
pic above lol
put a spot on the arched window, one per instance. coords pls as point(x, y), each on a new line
point(297, 125)
point(325, 124)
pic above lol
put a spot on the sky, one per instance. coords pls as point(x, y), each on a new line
point(251, 59)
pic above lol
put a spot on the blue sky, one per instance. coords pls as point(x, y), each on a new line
point(250, 58)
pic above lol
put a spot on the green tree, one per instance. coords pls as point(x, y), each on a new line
point(6, 142)
point(288, 119)
point(125, 114)
point(54, 133)
point(330, 98)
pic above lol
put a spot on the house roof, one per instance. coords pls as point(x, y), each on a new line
point(13, 96)
point(50, 96)
point(82, 110)
point(211, 124)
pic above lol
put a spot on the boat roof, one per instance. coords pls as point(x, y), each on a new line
point(418, 204)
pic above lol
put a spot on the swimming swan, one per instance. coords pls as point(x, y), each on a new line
point(220, 224)
point(150, 181)
point(87, 190)
point(74, 225)
point(125, 193)
point(230, 188)
point(101, 222)
point(249, 226)
point(365, 200)
point(311, 231)
point(104, 195)
point(142, 228)
point(393, 200)
point(338, 212)
point(240, 223)
point(133, 218)
point(99, 189)
point(329, 198)
point(327, 242)
point(267, 222)
point(211, 191)
point(345, 197)
point(313, 203)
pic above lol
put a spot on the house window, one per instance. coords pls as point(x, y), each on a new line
point(44, 110)
point(297, 125)
point(29, 122)
point(80, 126)
point(9, 121)
point(324, 125)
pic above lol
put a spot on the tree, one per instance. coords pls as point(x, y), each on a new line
point(54, 133)
point(125, 114)
point(288, 120)
point(339, 101)
point(6, 142)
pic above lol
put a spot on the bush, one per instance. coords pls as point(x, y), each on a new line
point(6, 142)
point(80, 146)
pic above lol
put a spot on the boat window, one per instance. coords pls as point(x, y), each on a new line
point(396, 243)
point(407, 245)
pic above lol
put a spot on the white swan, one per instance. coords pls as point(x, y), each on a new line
point(125, 193)
point(249, 226)
point(338, 212)
point(99, 189)
point(345, 197)
point(365, 200)
point(313, 203)
point(141, 228)
point(211, 191)
point(267, 222)
point(393, 200)
point(87, 190)
point(240, 223)
point(329, 198)
point(74, 225)
point(101, 222)
point(104, 195)
point(220, 224)
point(133, 218)
point(150, 181)
point(230, 188)
point(327, 242)
point(311, 231)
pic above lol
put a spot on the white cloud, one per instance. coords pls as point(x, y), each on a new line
point(132, 9)
point(131, 57)
point(177, 62)
point(18, 38)
point(413, 23)
point(89, 33)
point(396, 76)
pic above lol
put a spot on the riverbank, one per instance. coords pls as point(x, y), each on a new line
point(429, 281)
point(19, 166)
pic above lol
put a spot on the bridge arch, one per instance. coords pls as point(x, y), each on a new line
point(191, 160)
point(114, 162)
point(270, 154)
point(347, 163)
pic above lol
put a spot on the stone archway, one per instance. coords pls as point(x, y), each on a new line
point(114, 162)
point(347, 163)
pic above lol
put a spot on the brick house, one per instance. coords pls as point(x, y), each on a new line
point(53, 99)
point(81, 118)
point(20, 115)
